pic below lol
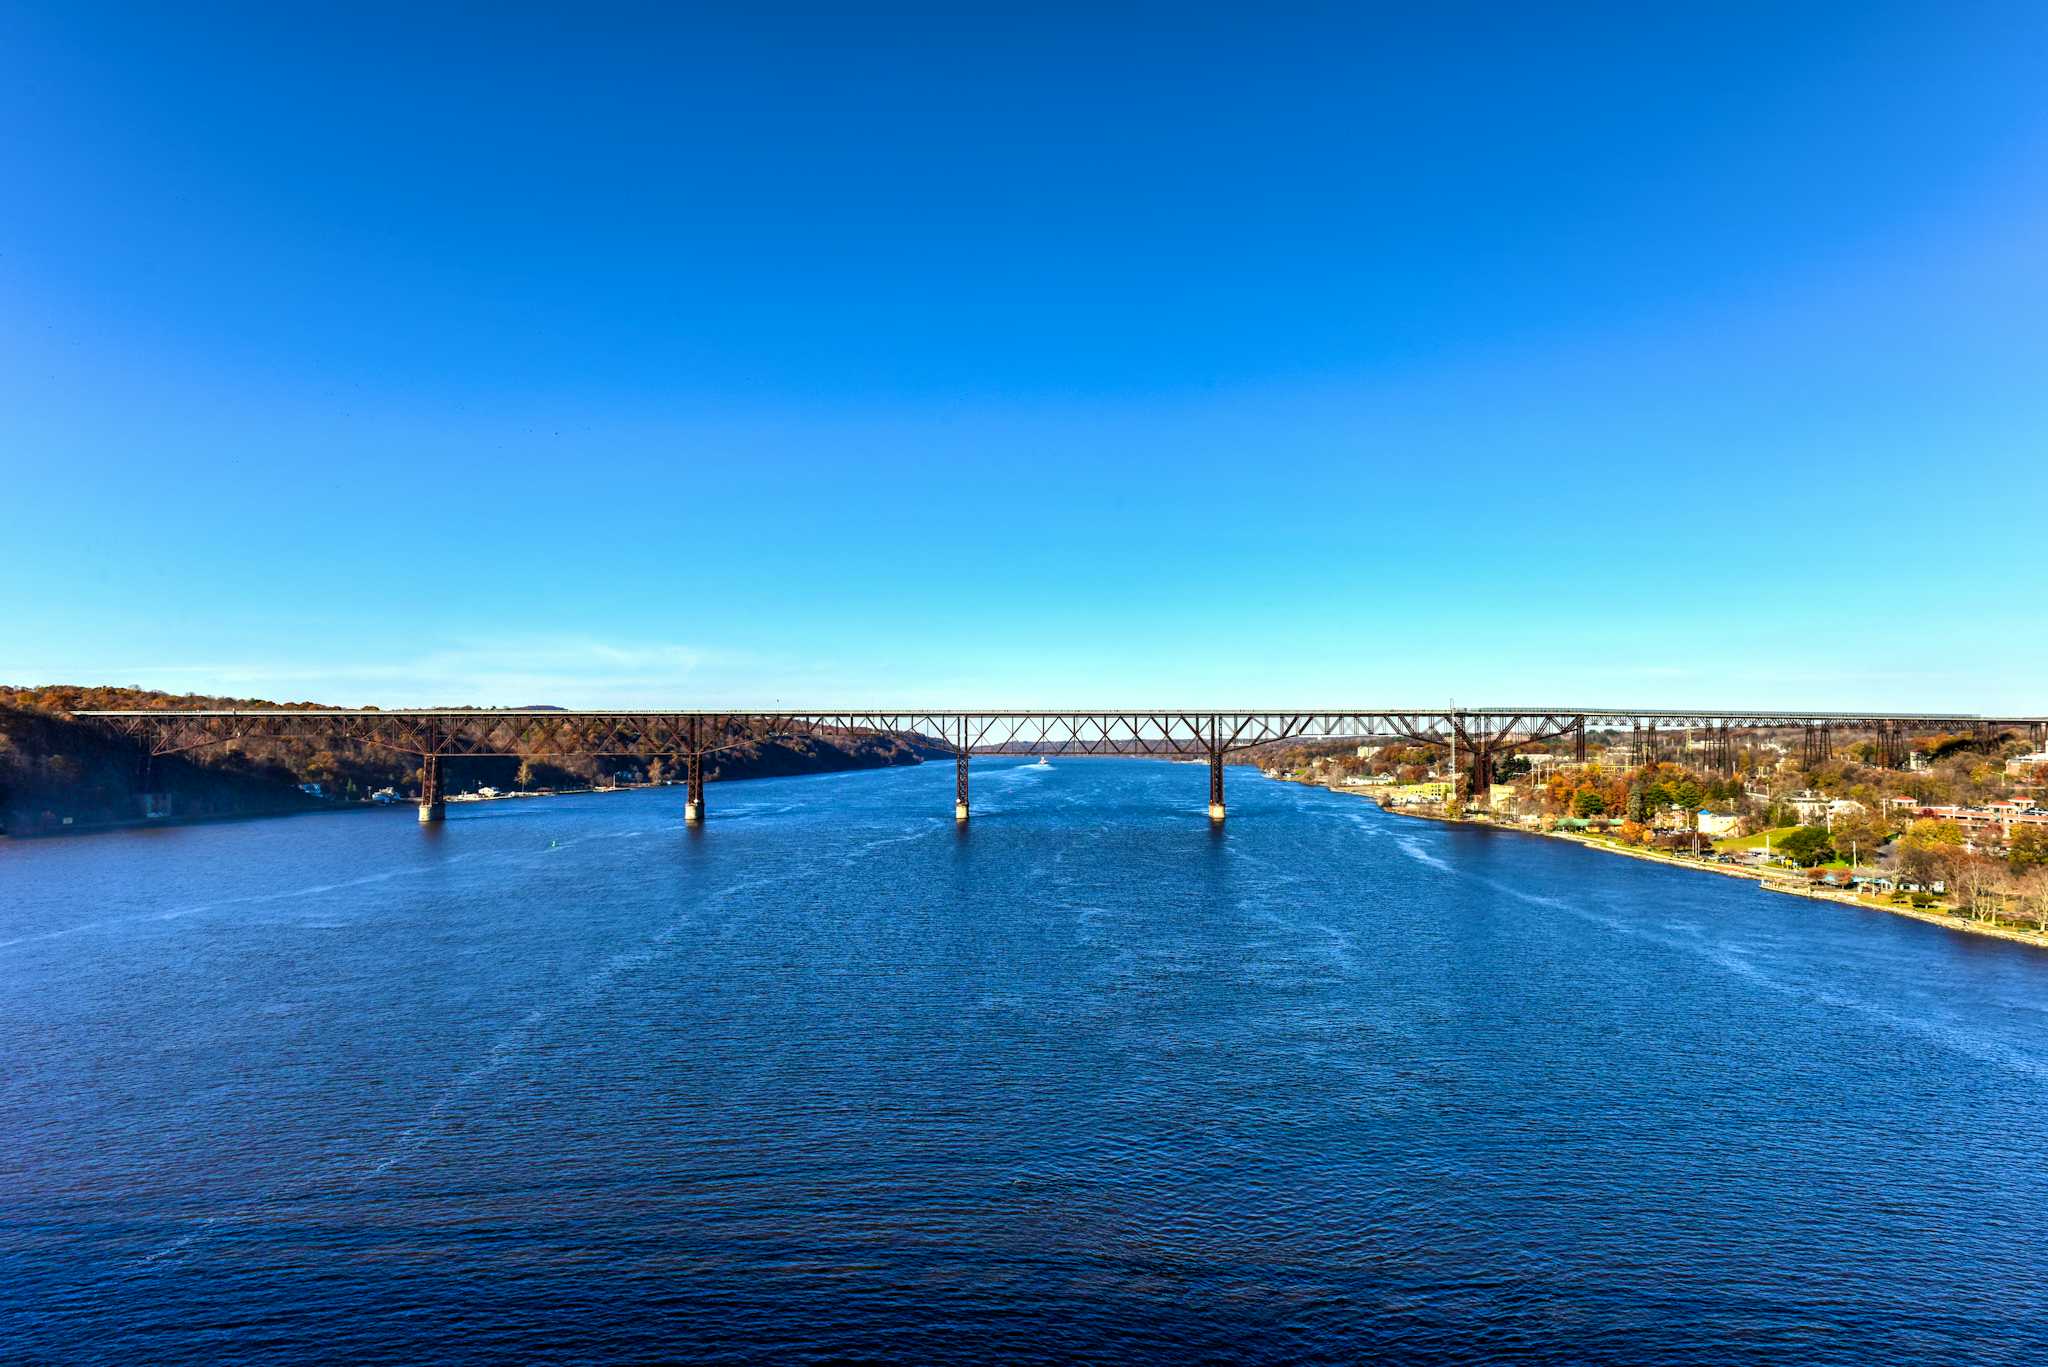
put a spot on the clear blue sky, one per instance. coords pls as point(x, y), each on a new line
point(709, 355)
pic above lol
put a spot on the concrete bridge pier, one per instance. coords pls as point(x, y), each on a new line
point(693, 777)
point(433, 804)
point(693, 789)
point(960, 773)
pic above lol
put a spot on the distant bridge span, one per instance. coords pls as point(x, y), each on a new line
point(1478, 735)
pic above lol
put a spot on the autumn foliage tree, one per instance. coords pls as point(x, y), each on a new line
point(1860, 832)
point(1927, 849)
point(2028, 849)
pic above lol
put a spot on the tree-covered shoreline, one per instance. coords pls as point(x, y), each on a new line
point(59, 773)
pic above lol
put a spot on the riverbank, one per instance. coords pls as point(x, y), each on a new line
point(61, 774)
point(316, 807)
point(1771, 880)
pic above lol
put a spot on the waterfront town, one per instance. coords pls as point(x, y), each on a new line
point(1960, 832)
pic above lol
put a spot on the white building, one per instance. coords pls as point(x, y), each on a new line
point(1714, 825)
point(1812, 807)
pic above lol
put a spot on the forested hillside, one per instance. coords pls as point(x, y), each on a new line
point(60, 774)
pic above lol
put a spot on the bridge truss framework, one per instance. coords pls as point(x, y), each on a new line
point(1477, 737)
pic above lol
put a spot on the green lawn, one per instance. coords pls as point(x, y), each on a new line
point(1754, 842)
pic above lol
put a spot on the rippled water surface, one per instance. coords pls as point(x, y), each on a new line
point(563, 1081)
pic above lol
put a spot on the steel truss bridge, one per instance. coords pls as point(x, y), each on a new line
point(1477, 737)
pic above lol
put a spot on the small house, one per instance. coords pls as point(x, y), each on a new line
point(1715, 825)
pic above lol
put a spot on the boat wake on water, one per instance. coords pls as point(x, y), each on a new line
point(784, 1051)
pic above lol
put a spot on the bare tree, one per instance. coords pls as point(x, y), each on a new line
point(2030, 895)
point(1973, 880)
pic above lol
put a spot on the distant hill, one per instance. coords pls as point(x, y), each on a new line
point(60, 774)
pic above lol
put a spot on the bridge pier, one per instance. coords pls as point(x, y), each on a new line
point(1480, 789)
point(1893, 748)
point(1817, 743)
point(433, 804)
point(1215, 785)
point(693, 789)
point(693, 778)
point(1720, 749)
point(960, 770)
point(144, 776)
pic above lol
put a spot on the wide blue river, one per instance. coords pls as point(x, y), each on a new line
point(564, 1081)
